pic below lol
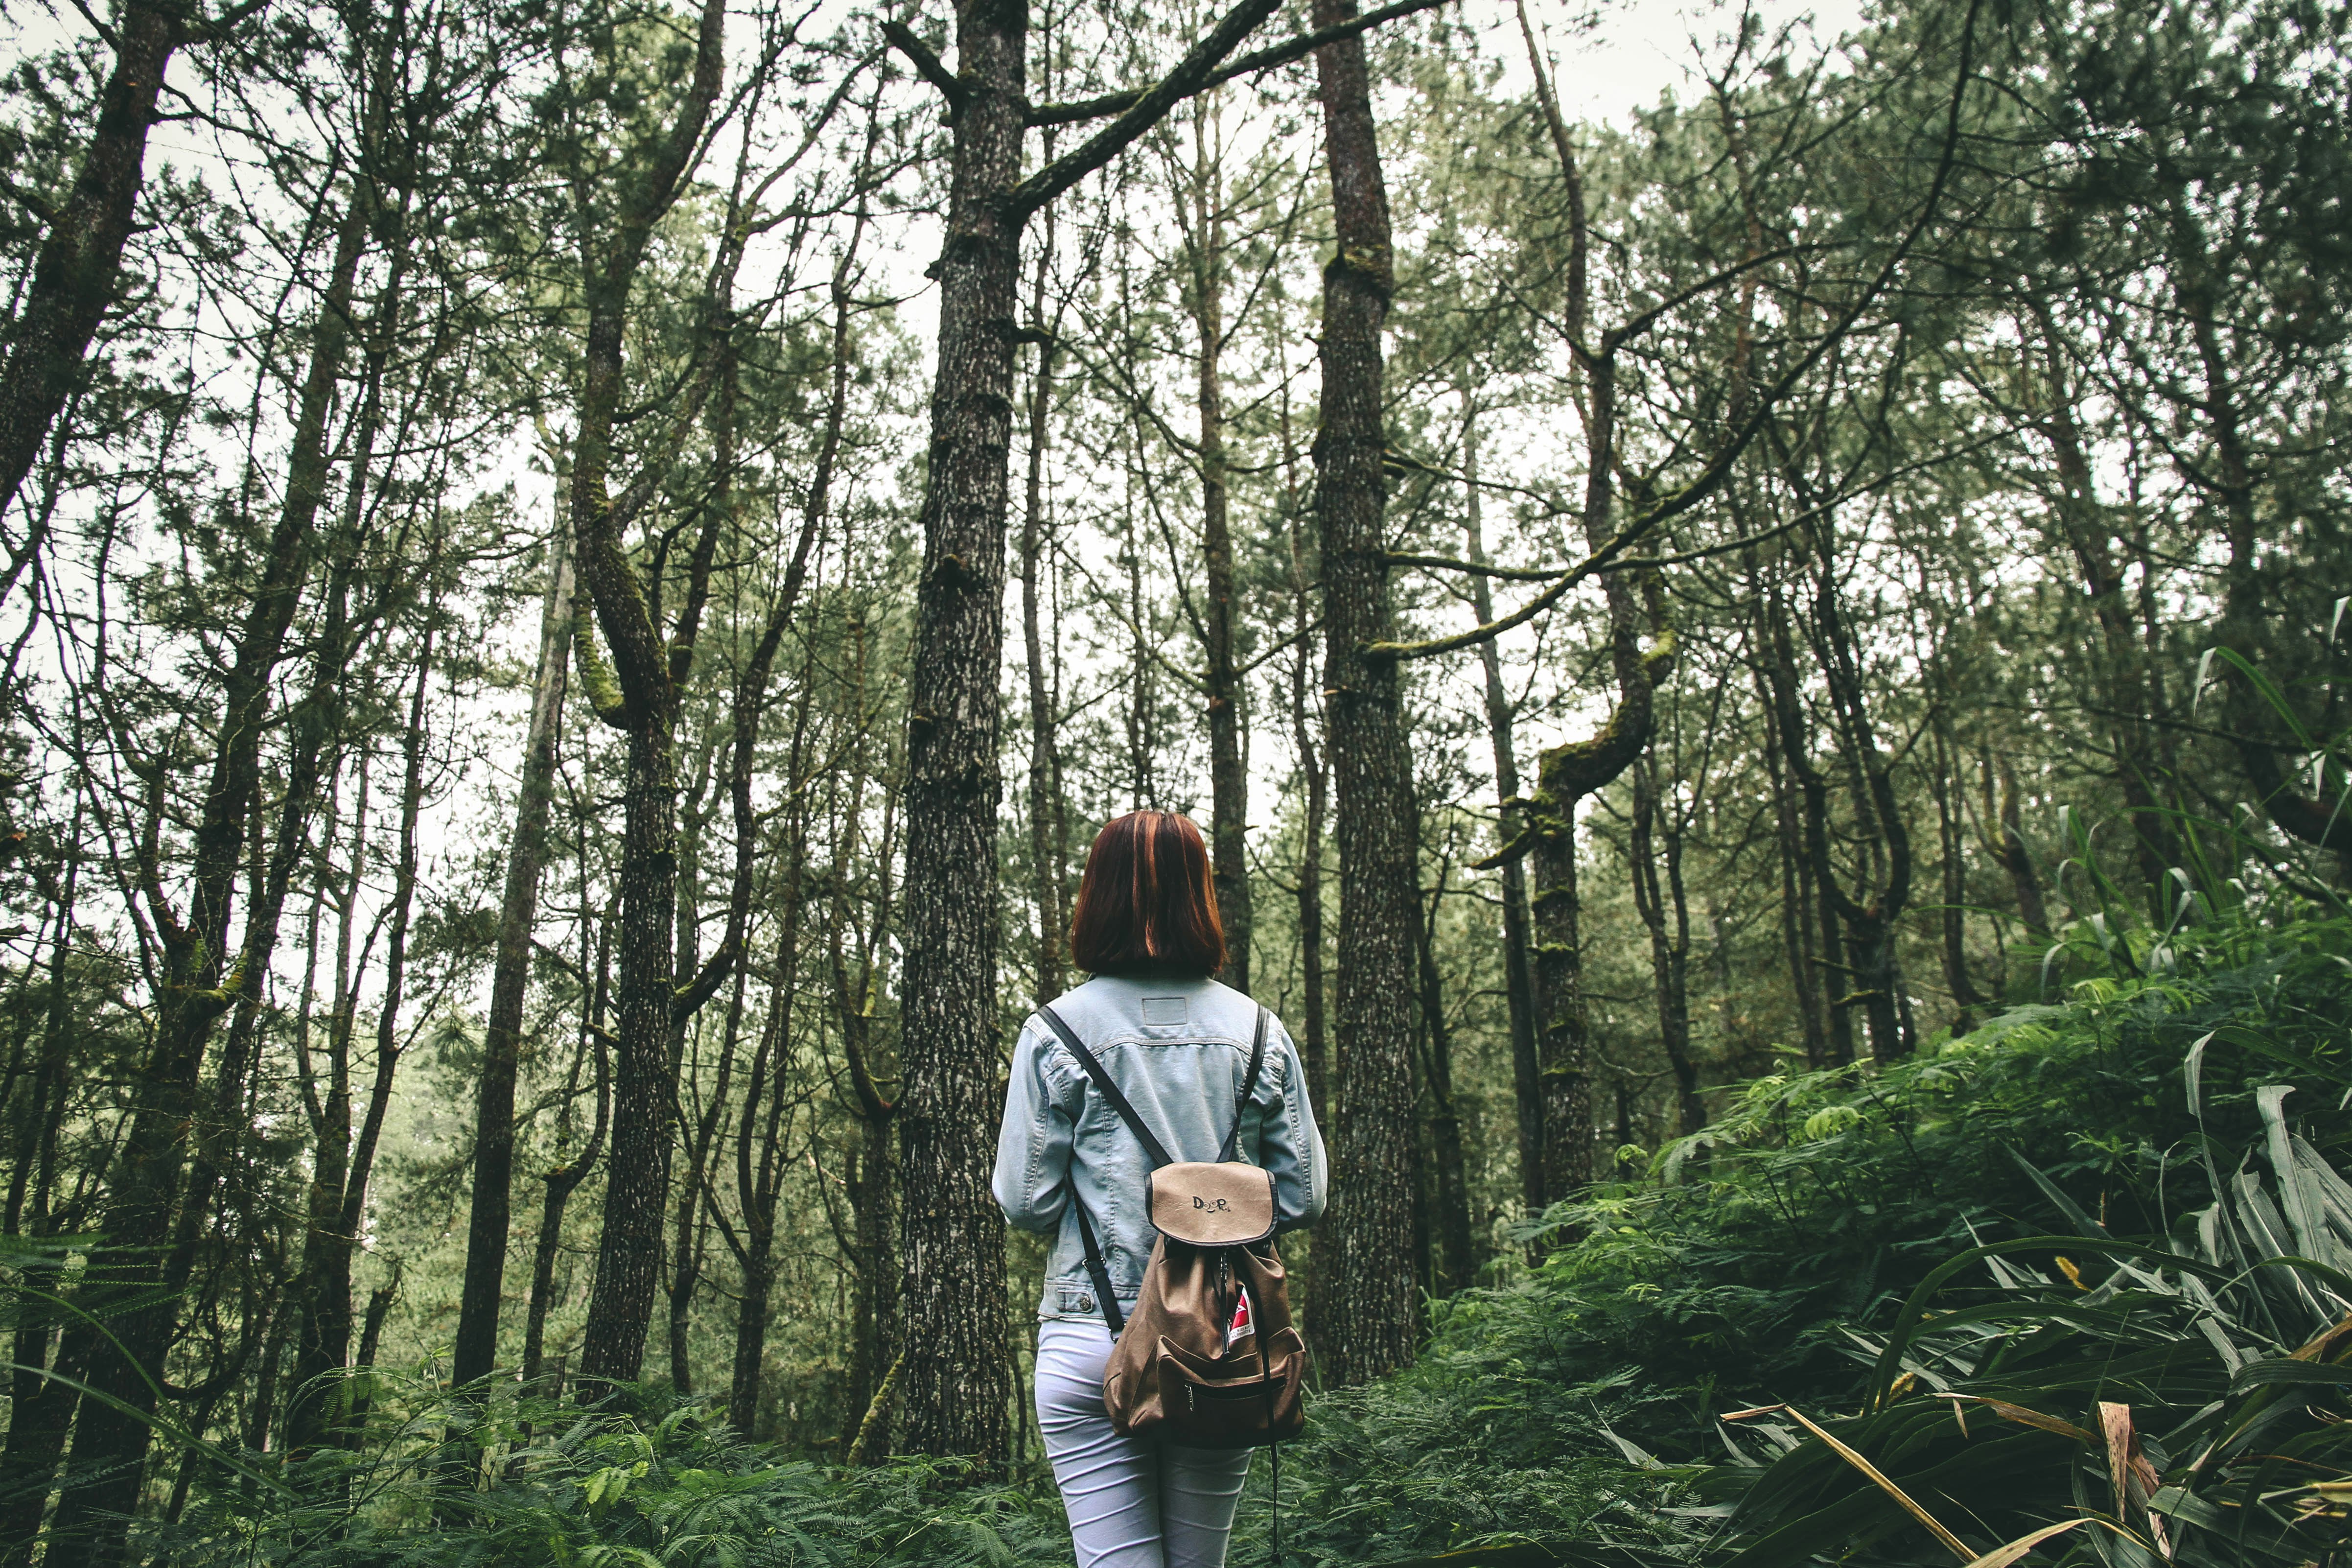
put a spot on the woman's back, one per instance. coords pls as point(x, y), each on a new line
point(1179, 1050)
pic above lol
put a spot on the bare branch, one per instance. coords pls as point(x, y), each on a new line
point(934, 71)
point(1280, 54)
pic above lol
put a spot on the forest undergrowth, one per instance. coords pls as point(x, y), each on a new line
point(2081, 1275)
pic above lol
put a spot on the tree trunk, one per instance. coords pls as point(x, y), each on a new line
point(1519, 976)
point(1664, 909)
point(686, 1257)
point(485, 1237)
point(315, 1415)
point(639, 694)
point(1368, 1316)
point(1457, 1262)
point(1877, 975)
point(40, 1406)
point(1044, 770)
point(1314, 1050)
point(560, 1183)
point(2010, 849)
point(1796, 890)
point(1946, 783)
point(874, 1332)
point(760, 1127)
point(1872, 978)
point(2122, 675)
point(1566, 774)
point(958, 1378)
point(1228, 769)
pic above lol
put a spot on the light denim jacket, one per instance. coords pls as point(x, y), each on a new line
point(1178, 1050)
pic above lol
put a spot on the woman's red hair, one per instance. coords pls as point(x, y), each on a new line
point(1147, 902)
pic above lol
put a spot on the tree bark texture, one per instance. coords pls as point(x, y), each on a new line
point(1368, 1317)
point(959, 1381)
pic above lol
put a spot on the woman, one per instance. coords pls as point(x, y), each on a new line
point(1177, 1044)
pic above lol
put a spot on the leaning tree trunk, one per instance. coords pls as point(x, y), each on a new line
point(1368, 1315)
point(74, 272)
point(492, 1214)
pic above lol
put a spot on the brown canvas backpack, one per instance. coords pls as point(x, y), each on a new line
point(1172, 1372)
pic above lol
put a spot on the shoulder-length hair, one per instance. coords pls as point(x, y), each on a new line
point(1147, 902)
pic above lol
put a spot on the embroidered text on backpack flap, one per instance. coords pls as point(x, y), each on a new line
point(1208, 1205)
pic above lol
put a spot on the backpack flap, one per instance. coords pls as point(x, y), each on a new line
point(1205, 1204)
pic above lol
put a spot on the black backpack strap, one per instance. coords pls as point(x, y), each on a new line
point(1249, 1084)
point(1096, 1268)
point(1151, 1146)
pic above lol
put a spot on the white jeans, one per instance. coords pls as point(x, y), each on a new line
point(1132, 1503)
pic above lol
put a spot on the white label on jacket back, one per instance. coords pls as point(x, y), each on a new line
point(1164, 1010)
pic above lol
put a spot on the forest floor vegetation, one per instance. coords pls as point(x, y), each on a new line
point(2086, 1268)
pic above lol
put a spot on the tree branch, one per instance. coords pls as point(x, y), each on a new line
point(1280, 54)
point(1191, 76)
point(932, 68)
